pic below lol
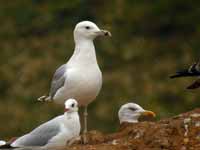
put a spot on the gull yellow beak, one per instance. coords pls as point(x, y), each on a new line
point(148, 113)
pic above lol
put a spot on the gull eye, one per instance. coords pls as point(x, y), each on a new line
point(132, 108)
point(87, 27)
point(72, 105)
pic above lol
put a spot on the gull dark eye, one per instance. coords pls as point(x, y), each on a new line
point(132, 108)
point(72, 105)
point(87, 27)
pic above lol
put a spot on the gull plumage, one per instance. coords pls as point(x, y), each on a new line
point(80, 78)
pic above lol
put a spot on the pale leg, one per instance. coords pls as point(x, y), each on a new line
point(85, 125)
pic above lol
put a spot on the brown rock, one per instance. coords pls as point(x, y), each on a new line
point(181, 132)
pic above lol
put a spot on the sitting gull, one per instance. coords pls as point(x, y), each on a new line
point(80, 78)
point(130, 113)
point(56, 132)
point(192, 71)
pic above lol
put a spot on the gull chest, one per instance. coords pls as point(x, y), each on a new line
point(83, 84)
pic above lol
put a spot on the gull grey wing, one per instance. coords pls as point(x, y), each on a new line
point(39, 136)
point(58, 80)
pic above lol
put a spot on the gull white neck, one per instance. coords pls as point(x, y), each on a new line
point(84, 52)
point(128, 118)
point(71, 115)
point(71, 120)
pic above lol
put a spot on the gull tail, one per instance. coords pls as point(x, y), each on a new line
point(193, 70)
point(44, 98)
point(2, 142)
point(4, 145)
point(7, 145)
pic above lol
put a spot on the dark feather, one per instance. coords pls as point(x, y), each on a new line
point(6, 146)
point(194, 85)
point(193, 70)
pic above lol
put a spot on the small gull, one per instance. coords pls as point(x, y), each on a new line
point(130, 113)
point(56, 132)
point(80, 78)
point(192, 71)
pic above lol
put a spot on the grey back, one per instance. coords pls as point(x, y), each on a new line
point(41, 135)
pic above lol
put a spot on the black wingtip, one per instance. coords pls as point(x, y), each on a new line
point(178, 76)
point(6, 146)
point(173, 76)
point(184, 73)
point(191, 88)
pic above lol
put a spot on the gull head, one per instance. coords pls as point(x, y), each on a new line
point(131, 112)
point(89, 31)
point(71, 105)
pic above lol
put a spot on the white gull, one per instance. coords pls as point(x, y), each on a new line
point(80, 78)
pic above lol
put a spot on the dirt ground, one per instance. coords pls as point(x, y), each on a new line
point(181, 132)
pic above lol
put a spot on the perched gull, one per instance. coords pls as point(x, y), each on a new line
point(130, 112)
point(56, 132)
point(192, 71)
point(80, 77)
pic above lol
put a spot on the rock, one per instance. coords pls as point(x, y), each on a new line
point(181, 132)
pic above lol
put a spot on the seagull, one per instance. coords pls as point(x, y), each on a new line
point(192, 71)
point(80, 78)
point(130, 113)
point(54, 133)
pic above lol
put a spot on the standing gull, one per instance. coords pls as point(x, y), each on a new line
point(56, 132)
point(80, 77)
point(192, 71)
point(130, 113)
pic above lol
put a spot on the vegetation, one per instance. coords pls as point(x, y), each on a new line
point(151, 40)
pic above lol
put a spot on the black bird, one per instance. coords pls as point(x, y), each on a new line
point(192, 71)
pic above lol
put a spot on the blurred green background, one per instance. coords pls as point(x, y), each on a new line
point(151, 40)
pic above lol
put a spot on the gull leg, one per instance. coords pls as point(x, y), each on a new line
point(85, 125)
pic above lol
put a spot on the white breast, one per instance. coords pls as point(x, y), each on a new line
point(82, 84)
point(69, 129)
